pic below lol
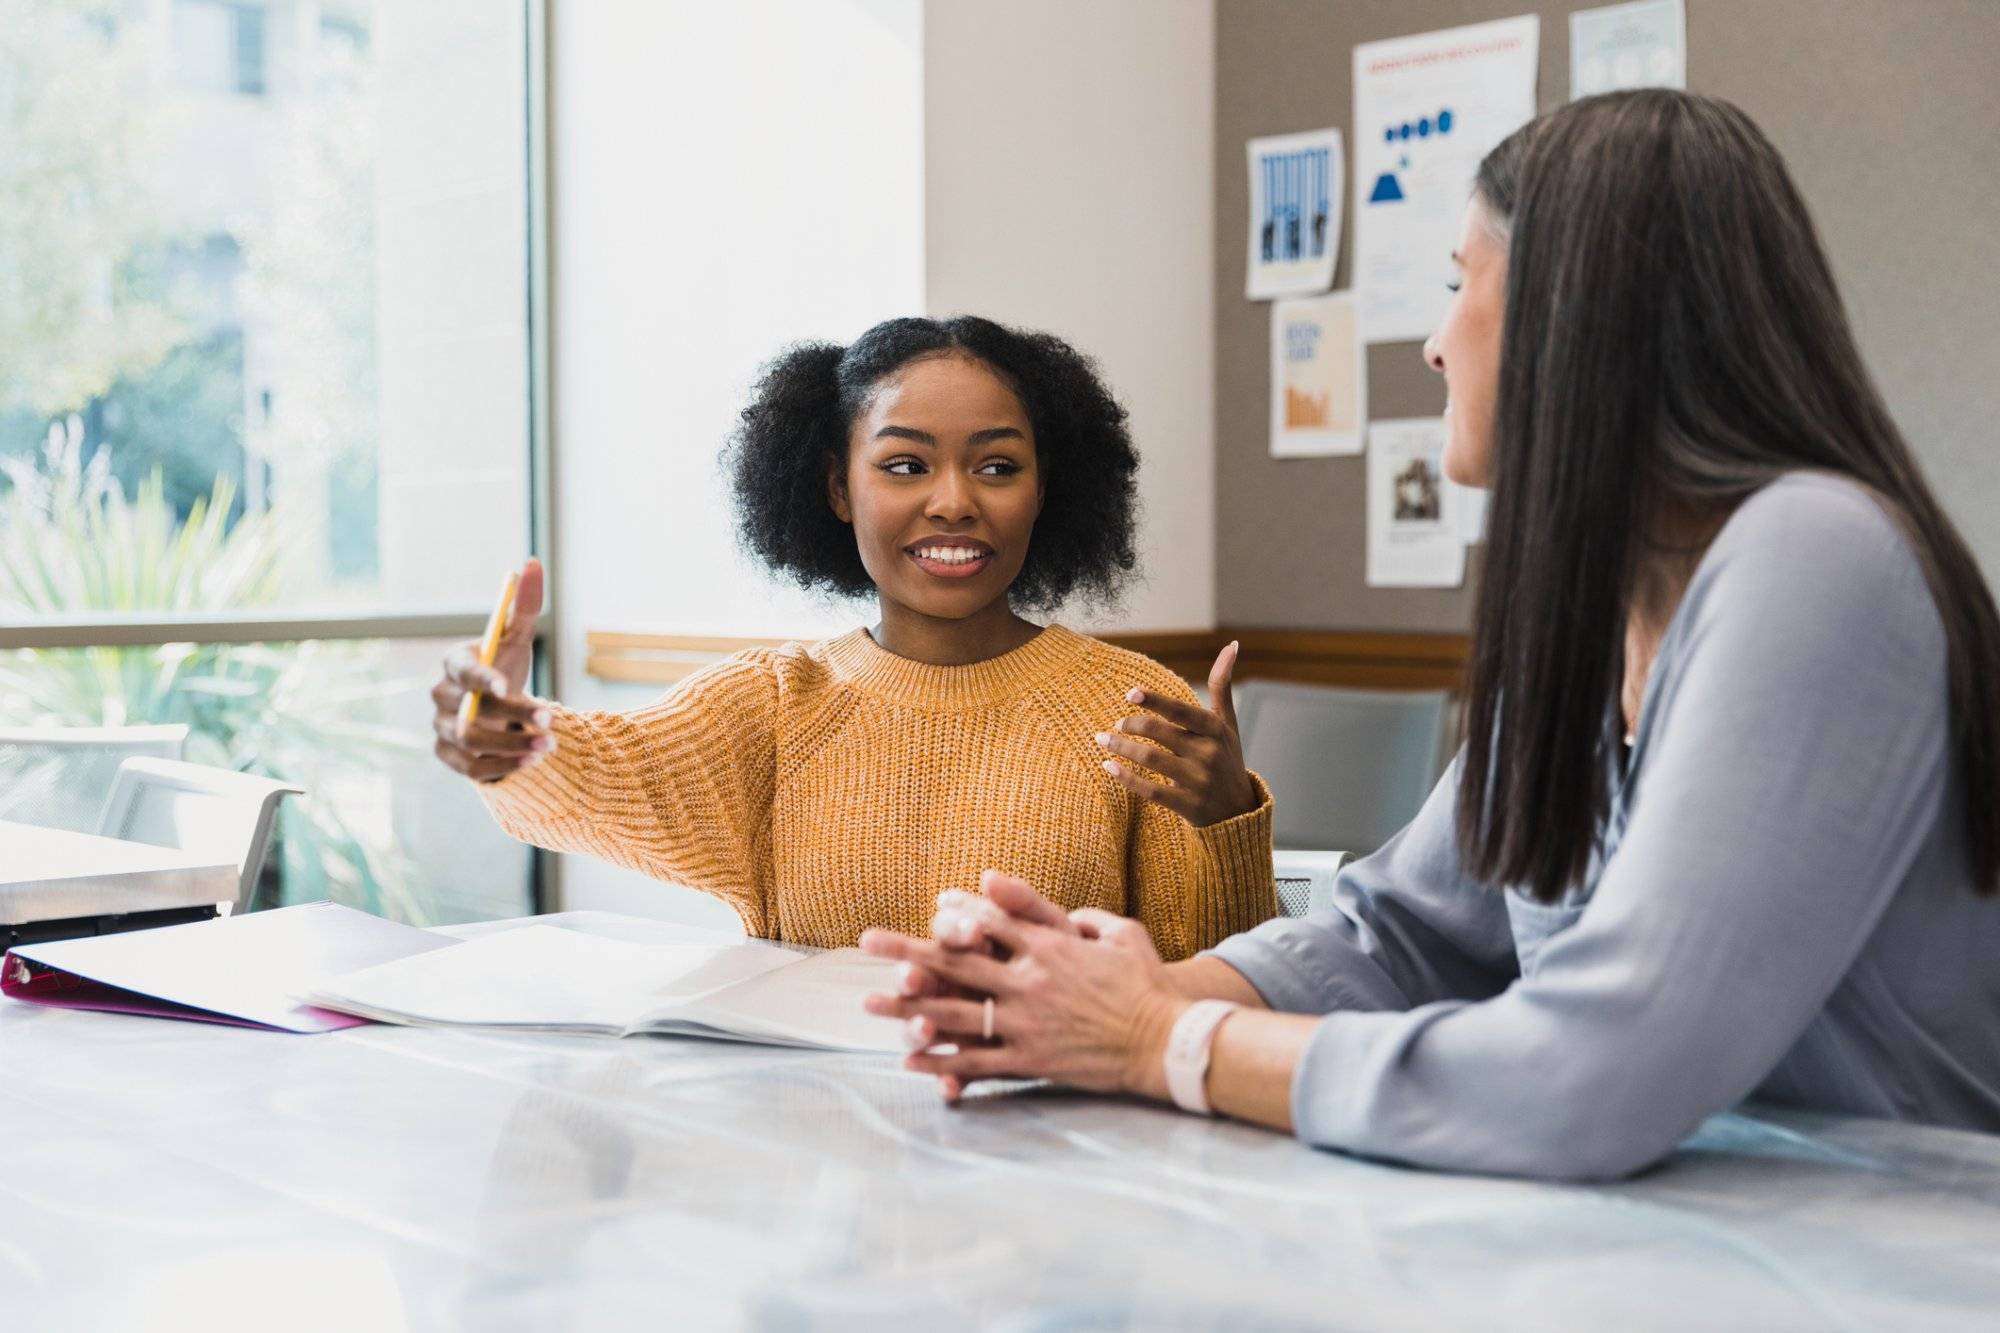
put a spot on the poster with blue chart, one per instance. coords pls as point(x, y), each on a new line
point(1295, 203)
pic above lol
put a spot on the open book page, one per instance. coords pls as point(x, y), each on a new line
point(814, 1002)
point(545, 977)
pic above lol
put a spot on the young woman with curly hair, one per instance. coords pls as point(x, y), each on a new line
point(961, 472)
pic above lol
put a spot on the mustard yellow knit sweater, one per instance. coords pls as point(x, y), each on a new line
point(820, 790)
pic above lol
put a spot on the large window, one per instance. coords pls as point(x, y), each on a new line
point(266, 399)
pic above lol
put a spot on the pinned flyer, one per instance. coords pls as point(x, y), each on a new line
point(1426, 110)
point(1415, 539)
point(1638, 45)
point(1295, 201)
point(1469, 505)
point(1319, 384)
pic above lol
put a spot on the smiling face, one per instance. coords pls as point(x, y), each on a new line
point(942, 487)
point(1466, 347)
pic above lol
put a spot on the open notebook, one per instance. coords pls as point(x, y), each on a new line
point(549, 979)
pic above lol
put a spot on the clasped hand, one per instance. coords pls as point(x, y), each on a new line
point(1079, 997)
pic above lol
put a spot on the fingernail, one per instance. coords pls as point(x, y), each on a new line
point(543, 743)
point(542, 717)
point(906, 978)
point(1103, 738)
point(1135, 696)
point(1111, 767)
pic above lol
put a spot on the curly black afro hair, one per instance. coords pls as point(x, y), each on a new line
point(806, 401)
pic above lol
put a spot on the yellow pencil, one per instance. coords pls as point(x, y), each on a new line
point(489, 648)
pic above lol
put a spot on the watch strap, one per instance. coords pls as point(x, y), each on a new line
point(1188, 1046)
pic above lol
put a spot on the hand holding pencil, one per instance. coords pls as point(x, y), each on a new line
point(487, 724)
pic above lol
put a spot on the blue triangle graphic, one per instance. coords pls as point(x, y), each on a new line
point(1386, 190)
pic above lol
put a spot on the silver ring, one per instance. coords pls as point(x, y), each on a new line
point(986, 1019)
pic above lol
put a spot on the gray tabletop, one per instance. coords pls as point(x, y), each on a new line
point(48, 874)
point(168, 1174)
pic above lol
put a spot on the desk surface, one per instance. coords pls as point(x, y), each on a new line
point(48, 873)
point(166, 1174)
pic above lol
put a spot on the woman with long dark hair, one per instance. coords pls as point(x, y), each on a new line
point(1728, 821)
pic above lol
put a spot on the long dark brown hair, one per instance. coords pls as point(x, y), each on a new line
point(1673, 341)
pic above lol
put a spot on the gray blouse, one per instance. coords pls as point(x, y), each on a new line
point(1779, 906)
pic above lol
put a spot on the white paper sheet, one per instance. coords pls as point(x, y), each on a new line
point(1295, 205)
point(1414, 534)
point(1319, 384)
point(543, 977)
point(1638, 45)
point(1426, 109)
point(252, 967)
point(1468, 506)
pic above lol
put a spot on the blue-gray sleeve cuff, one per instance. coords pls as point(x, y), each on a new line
point(1301, 965)
point(1326, 1079)
point(1277, 977)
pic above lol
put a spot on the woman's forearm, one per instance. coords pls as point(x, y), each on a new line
point(1251, 1062)
point(1250, 1065)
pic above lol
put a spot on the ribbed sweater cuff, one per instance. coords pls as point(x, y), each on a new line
point(1243, 887)
point(552, 791)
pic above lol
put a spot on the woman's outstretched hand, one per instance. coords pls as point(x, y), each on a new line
point(510, 731)
point(1081, 998)
point(1199, 750)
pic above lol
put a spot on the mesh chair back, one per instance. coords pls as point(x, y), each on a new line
point(58, 777)
point(1346, 768)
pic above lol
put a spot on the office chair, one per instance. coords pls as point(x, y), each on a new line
point(1347, 768)
point(197, 808)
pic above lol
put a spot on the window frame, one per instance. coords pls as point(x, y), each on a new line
point(450, 622)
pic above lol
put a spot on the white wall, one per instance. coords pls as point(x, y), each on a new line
point(1069, 185)
point(725, 179)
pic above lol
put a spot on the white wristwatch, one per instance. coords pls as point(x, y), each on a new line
point(1187, 1053)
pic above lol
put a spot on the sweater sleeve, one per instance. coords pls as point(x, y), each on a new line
point(680, 790)
point(1797, 725)
point(1193, 887)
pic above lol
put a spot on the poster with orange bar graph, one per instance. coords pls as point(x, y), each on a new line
point(1319, 402)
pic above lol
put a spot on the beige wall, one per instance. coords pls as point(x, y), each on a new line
point(1888, 112)
point(1068, 186)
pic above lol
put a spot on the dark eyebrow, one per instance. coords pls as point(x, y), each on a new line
point(977, 437)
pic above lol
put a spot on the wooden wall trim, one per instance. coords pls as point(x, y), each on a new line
point(658, 659)
point(1357, 659)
